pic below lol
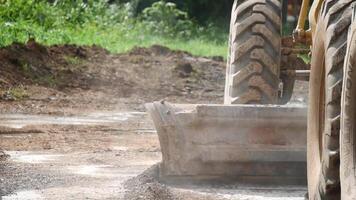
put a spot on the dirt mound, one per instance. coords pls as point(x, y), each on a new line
point(87, 67)
point(90, 76)
point(56, 66)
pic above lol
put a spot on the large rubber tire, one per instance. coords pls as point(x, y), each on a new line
point(253, 68)
point(329, 50)
point(348, 120)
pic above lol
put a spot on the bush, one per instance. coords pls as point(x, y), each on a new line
point(80, 12)
point(24, 19)
point(20, 18)
point(164, 18)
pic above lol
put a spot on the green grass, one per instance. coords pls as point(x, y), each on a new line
point(17, 93)
point(117, 40)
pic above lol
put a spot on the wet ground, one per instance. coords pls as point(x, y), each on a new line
point(23, 120)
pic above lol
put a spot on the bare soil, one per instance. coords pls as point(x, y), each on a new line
point(73, 124)
point(68, 78)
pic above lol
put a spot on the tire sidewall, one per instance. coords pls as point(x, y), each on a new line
point(313, 152)
point(348, 121)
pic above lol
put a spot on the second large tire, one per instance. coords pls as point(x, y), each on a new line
point(253, 69)
point(328, 54)
point(348, 120)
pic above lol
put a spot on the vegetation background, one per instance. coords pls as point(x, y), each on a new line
point(197, 26)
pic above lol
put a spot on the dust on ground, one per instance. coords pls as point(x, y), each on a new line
point(73, 125)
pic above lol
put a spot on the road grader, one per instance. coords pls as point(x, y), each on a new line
point(256, 136)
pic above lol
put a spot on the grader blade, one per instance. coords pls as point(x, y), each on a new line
point(219, 143)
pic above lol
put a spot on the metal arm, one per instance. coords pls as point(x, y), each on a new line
point(301, 34)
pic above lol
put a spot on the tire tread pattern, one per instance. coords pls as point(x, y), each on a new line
point(337, 17)
point(254, 52)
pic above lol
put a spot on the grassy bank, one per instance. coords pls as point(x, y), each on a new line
point(117, 41)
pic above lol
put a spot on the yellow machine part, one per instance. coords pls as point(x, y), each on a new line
point(314, 11)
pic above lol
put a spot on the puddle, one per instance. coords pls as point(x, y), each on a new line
point(105, 171)
point(22, 120)
point(90, 170)
point(26, 195)
point(120, 148)
point(16, 136)
point(28, 157)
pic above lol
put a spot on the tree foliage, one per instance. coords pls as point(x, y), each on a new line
point(201, 10)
